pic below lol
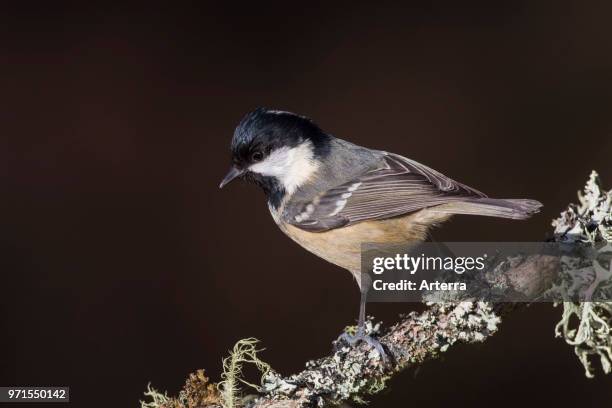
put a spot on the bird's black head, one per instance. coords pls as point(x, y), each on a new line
point(265, 130)
point(277, 150)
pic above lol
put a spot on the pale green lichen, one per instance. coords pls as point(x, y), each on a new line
point(590, 222)
point(592, 336)
point(244, 352)
point(158, 400)
point(198, 392)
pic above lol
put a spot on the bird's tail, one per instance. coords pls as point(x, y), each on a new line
point(517, 209)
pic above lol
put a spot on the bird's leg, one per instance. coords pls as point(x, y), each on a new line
point(361, 335)
point(363, 299)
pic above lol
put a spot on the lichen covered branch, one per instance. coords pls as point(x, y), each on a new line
point(353, 373)
point(590, 221)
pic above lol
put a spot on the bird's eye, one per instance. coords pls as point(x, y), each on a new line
point(257, 156)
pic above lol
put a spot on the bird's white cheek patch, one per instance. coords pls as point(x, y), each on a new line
point(291, 166)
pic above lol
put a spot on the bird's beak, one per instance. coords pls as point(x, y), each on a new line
point(231, 175)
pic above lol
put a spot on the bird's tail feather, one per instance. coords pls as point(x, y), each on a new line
point(517, 209)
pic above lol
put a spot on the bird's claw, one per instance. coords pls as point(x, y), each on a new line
point(354, 339)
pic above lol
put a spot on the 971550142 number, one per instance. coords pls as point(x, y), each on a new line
point(39, 394)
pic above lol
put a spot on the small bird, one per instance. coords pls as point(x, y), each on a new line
point(330, 195)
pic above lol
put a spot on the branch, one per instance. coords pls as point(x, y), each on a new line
point(355, 372)
point(352, 373)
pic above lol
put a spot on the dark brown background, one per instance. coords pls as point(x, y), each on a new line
point(122, 263)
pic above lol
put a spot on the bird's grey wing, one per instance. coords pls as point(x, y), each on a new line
point(397, 186)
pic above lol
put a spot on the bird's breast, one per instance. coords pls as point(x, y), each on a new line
point(342, 246)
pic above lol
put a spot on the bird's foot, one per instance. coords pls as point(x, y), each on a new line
point(360, 336)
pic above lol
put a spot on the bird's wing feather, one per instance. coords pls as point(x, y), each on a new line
point(398, 186)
